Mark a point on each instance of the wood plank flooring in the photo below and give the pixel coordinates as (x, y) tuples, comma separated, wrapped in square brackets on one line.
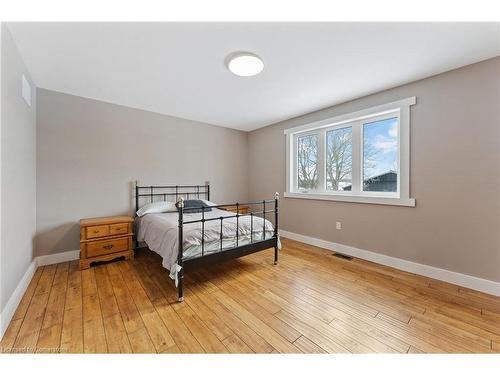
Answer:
[(311, 302)]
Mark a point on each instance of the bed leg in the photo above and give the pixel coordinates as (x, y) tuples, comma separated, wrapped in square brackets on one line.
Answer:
[(180, 289), (276, 255)]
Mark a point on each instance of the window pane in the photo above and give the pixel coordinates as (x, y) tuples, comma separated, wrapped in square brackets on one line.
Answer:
[(380, 155), (307, 162), (339, 159)]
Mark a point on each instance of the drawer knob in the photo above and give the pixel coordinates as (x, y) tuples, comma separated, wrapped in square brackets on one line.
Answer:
[(96, 231), (107, 247)]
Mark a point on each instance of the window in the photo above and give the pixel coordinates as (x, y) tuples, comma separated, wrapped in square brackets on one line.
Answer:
[(359, 157), (338, 159), (380, 155)]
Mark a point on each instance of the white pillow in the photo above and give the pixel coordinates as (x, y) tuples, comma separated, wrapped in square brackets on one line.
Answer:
[(156, 207)]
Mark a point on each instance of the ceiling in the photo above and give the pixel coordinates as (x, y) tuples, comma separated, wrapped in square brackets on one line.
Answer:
[(178, 68)]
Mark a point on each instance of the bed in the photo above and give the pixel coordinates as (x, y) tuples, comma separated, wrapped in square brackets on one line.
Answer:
[(194, 237)]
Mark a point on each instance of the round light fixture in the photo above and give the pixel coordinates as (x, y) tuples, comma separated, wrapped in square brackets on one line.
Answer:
[(245, 64)]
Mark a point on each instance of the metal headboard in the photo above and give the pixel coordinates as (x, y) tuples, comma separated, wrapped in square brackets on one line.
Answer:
[(154, 193)]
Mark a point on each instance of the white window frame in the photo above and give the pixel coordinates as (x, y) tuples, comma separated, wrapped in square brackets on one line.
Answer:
[(399, 109)]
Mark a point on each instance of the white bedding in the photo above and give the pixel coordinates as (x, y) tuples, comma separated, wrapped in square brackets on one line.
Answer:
[(160, 232)]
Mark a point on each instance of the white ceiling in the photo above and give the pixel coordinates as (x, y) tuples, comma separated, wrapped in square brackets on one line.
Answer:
[(178, 68)]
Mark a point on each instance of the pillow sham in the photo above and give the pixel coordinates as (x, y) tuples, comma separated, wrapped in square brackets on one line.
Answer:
[(193, 206), (156, 207)]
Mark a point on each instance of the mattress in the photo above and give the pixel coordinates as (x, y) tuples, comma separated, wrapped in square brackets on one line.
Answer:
[(160, 232)]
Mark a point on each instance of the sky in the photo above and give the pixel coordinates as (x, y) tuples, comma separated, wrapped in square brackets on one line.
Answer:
[(382, 136)]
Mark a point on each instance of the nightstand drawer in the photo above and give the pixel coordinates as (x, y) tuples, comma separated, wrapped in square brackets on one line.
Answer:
[(97, 231), (115, 229), (107, 247)]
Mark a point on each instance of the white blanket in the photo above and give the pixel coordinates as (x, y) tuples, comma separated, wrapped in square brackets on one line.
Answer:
[(160, 232)]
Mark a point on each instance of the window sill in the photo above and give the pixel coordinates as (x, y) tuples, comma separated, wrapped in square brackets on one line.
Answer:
[(408, 202)]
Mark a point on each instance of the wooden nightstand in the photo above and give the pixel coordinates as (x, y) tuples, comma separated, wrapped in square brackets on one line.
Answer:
[(105, 238), (243, 209)]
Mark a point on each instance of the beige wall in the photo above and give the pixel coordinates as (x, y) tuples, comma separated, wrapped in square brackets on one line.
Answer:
[(89, 152), (455, 177), (18, 175)]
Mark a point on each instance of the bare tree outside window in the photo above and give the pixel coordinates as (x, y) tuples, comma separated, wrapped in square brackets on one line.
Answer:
[(307, 162), (338, 158)]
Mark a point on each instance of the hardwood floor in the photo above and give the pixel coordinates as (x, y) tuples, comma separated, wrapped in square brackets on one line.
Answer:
[(310, 302)]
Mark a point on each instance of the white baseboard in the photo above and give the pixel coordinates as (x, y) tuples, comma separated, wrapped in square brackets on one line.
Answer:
[(14, 300), (467, 281), (66, 256)]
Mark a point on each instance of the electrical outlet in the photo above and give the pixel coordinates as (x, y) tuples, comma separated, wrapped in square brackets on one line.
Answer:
[(338, 225)]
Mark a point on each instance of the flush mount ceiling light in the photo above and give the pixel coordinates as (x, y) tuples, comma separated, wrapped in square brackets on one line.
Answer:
[(244, 64)]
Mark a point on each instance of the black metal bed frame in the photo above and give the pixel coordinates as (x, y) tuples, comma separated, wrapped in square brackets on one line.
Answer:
[(181, 192)]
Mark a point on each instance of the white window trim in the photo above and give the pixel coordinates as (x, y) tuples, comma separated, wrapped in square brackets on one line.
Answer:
[(402, 198)]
